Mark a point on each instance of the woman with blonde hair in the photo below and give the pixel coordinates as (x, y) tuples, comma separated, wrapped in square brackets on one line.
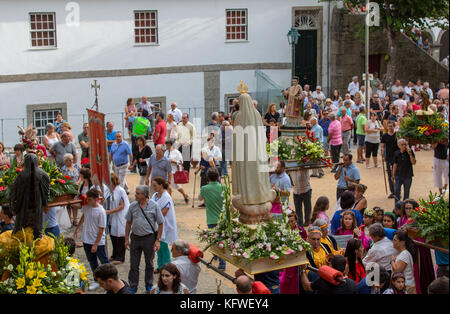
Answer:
[(360, 200), (65, 127), (50, 137), (172, 128)]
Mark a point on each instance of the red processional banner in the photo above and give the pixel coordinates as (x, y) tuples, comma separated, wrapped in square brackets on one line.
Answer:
[(98, 150)]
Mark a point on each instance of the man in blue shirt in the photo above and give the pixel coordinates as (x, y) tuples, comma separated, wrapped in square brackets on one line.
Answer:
[(316, 129), (110, 134), (345, 174), (347, 104), (324, 124), (121, 156), (281, 183)]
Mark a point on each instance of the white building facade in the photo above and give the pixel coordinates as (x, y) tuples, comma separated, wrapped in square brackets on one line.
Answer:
[(192, 52)]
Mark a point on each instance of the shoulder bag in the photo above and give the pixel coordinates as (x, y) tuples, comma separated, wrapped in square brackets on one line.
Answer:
[(148, 220), (181, 176)]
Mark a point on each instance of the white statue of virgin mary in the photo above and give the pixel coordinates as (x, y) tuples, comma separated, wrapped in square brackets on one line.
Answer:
[(250, 184)]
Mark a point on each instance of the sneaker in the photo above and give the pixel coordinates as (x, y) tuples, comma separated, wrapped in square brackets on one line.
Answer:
[(94, 286), (377, 166), (202, 205), (148, 290), (391, 195), (368, 167), (132, 291), (360, 161), (314, 176)]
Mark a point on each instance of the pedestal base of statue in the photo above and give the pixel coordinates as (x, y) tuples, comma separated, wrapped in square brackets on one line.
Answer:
[(292, 131), (253, 214), (261, 265)]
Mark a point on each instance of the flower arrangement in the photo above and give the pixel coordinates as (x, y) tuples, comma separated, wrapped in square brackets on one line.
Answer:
[(431, 219), (310, 149), (28, 276), (424, 128), (59, 183), (271, 239), (304, 149)]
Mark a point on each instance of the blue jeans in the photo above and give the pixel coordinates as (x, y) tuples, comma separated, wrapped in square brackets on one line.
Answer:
[(92, 257), (222, 263), (406, 187), (53, 230), (224, 167)]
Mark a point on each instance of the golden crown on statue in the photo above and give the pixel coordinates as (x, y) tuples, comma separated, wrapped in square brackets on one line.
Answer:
[(242, 88)]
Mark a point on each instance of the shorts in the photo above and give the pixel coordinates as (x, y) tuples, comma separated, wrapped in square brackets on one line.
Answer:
[(372, 149), (361, 140)]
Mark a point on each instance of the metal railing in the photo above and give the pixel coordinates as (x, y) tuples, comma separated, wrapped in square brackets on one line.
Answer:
[(9, 132)]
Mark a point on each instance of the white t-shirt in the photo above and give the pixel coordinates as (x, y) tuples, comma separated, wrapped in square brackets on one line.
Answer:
[(214, 153), (401, 106), (177, 114), (406, 257), (94, 218)]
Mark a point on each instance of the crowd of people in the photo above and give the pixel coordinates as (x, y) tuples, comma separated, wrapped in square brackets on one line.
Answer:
[(148, 224)]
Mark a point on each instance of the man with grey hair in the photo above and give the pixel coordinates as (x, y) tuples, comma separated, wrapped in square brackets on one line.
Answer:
[(175, 112), (317, 131), (59, 149), (121, 156), (145, 223), (353, 86), (189, 271), (214, 126), (158, 166), (318, 94), (382, 248)]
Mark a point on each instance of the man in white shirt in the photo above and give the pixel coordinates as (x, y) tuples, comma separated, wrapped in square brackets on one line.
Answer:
[(426, 86), (176, 113), (318, 94), (419, 86), (186, 135), (211, 152), (353, 87), (408, 88), (144, 104), (382, 249), (396, 89), (401, 103), (189, 271)]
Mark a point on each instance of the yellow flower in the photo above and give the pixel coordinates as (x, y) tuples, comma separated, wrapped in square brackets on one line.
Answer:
[(52, 183), (36, 282), (30, 273), (20, 282), (31, 290), (41, 274), (444, 124)]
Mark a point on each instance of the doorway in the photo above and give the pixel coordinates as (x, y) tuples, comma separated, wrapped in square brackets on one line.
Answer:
[(306, 58)]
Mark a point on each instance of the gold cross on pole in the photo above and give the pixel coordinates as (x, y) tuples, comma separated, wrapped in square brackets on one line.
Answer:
[(95, 86)]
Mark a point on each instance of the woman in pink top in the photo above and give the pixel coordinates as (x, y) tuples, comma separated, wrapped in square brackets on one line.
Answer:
[(335, 139), (129, 109), (347, 127)]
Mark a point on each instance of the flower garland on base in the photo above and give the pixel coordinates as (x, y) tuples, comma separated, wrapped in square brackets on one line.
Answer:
[(271, 239)]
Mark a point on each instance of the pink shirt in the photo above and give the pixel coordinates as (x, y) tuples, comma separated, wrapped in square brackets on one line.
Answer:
[(335, 130), (346, 123)]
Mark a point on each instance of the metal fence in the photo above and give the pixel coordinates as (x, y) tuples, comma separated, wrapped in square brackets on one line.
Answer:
[(9, 132)]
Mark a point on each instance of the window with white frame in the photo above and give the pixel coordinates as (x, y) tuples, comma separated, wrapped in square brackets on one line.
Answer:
[(43, 30), (236, 24), (41, 118), (145, 27)]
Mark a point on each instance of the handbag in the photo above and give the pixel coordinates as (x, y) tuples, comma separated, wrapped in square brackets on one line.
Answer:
[(142, 169), (181, 176)]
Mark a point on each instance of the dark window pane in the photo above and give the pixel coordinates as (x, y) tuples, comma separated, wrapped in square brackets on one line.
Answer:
[(38, 17), (39, 26), (33, 35), (147, 15), (52, 42), (32, 18), (147, 23), (39, 34), (233, 36), (153, 39), (147, 39), (45, 42), (137, 39), (44, 18), (233, 13), (33, 43)]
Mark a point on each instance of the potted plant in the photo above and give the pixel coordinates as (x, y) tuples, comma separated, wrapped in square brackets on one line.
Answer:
[(430, 220), (424, 129)]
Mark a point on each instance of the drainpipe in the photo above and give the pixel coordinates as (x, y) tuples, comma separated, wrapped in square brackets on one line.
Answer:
[(328, 50)]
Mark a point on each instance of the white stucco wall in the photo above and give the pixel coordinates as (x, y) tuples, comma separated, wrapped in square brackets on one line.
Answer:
[(185, 89), (190, 34)]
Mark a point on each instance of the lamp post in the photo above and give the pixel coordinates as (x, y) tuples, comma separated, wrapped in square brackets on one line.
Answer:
[(293, 37)]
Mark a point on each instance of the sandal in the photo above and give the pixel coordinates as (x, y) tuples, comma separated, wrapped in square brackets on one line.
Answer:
[(186, 199)]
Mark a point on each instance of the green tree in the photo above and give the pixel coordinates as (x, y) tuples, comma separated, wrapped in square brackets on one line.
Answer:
[(403, 15)]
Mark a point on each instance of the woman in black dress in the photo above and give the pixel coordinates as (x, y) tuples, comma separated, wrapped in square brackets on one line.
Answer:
[(271, 113), (142, 153)]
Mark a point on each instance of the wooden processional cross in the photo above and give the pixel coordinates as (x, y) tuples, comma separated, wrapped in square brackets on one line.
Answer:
[(95, 86)]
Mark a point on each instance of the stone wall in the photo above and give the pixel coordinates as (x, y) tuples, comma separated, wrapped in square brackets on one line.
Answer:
[(347, 54)]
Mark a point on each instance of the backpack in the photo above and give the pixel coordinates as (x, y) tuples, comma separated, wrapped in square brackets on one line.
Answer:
[(141, 126)]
